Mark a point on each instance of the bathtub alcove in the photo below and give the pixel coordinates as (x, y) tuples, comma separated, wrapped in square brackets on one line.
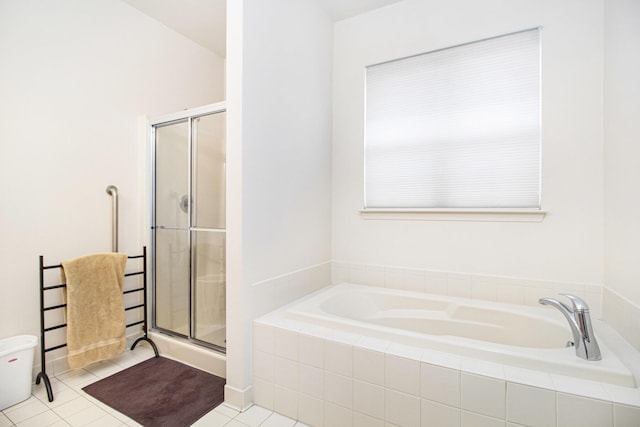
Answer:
[(361, 355)]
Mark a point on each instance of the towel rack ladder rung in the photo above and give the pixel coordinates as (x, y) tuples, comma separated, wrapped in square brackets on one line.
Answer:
[(54, 307), (135, 323), (55, 348), (53, 328)]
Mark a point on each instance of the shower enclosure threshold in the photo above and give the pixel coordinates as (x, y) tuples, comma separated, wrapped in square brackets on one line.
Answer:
[(191, 354)]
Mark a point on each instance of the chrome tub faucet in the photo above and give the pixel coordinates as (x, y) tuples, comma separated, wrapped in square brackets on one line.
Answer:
[(580, 322)]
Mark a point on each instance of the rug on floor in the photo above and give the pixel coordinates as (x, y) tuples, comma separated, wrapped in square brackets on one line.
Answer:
[(160, 392)]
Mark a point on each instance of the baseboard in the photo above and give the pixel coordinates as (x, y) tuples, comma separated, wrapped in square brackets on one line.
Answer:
[(240, 400)]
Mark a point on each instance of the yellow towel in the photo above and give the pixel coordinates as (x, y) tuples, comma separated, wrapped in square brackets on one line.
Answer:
[(95, 310)]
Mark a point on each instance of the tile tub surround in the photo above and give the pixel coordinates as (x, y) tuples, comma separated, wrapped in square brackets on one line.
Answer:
[(604, 303), (623, 315), (327, 377), (511, 290)]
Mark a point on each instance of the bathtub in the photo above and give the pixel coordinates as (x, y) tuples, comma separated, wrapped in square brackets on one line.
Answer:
[(359, 355), (521, 336)]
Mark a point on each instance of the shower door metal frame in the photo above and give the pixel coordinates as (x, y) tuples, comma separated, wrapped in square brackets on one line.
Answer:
[(185, 116)]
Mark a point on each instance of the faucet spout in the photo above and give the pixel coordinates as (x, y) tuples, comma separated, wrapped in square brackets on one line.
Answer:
[(580, 324), (567, 313)]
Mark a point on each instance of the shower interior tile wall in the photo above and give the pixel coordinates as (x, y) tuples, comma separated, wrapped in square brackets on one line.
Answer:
[(476, 286)]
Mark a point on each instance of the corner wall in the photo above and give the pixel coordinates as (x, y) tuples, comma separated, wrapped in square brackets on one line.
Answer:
[(76, 78), (567, 246), (622, 167), (279, 164)]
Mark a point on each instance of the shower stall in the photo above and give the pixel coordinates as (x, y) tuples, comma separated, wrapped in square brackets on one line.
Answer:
[(188, 225)]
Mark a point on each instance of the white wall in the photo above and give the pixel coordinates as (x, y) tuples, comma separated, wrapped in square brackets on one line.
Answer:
[(76, 78), (622, 166), (567, 245), (286, 137), (279, 161)]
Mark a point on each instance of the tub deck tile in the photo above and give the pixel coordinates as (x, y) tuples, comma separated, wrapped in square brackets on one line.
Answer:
[(446, 360), (580, 387), (529, 377), (484, 368), (624, 395)]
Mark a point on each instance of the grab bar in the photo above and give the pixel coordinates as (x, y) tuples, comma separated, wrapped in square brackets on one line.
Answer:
[(112, 190)]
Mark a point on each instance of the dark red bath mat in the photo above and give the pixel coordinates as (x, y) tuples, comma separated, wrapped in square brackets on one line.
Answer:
[(160, 392)]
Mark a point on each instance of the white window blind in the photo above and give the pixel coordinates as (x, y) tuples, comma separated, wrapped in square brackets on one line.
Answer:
[(456, 128)]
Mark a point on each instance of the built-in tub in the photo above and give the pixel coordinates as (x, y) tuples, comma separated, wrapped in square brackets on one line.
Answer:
[(360, 355), (526, 337)]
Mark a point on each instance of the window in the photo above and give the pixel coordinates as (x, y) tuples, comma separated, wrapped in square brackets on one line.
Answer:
[(457, 128)]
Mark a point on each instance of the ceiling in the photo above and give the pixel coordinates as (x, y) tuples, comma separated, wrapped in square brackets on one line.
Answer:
[(204, 21)]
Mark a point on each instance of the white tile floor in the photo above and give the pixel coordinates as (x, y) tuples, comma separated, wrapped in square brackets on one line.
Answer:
[(73, 407)]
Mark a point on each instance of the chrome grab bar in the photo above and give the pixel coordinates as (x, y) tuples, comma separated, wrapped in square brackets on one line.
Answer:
[(112, 190)]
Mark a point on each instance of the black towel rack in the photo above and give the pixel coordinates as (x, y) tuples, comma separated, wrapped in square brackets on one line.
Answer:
[(43, 309)]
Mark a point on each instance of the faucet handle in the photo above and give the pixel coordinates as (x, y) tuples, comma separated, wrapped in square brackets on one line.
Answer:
[(578, 303)]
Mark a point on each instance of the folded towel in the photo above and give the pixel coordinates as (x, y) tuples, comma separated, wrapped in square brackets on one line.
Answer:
[(95, 310)]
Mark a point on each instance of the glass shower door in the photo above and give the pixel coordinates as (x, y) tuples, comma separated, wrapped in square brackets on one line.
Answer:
[(189, 229), (171, 231), (208, 231)]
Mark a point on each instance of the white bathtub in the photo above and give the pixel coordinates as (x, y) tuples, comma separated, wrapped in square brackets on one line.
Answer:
[(360, 355), (520, 336)]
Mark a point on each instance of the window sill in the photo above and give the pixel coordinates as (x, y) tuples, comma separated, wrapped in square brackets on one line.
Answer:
[(483, 215)]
